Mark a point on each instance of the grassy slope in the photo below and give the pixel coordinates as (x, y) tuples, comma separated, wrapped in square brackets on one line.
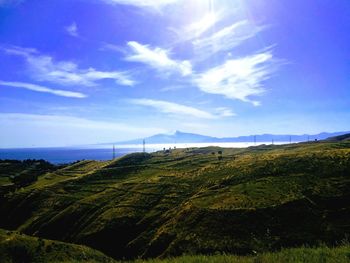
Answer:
[(15, 247), (344, 137), (301, 255), (10, 168), (260, 198)]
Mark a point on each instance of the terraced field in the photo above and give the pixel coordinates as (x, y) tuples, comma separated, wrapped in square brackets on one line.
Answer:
[(192, 201)]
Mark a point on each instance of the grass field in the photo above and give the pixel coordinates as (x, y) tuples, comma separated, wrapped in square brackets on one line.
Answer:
[(192, 201), (19, 248), (323, 254), (16, 247)]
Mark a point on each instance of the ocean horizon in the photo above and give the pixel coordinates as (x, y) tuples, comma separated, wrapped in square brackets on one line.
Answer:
[(61, 155)]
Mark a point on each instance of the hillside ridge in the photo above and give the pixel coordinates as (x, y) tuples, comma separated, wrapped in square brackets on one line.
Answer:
[(192, 201)]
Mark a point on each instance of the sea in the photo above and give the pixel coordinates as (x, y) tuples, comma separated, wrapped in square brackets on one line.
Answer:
[(62, 155)]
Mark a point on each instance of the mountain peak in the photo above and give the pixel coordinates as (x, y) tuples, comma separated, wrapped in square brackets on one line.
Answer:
[(184, 137)]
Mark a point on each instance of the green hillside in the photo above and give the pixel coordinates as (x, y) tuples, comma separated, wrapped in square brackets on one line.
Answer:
[(19, 248), (344, 137), (192, 201), (324, 254), (16, 174)]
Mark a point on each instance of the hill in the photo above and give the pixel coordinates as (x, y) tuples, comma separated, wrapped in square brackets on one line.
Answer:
[(19, 248), (325, 254), (192, 201), (183, 137), (339, 138), (16, 174)]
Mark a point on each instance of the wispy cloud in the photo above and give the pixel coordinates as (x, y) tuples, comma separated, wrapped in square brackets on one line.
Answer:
[(72, 30), (197, 28), (20, 51), (173, 88), (33, 87), (176, 109), (207, 21), (45, 68), (238, 78), (112, 47), (225, 39), (26, 130), (155, 4), (74, 121), (158, 59), (224, 112)]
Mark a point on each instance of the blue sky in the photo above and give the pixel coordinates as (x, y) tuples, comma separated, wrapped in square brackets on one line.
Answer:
[(93, 71)]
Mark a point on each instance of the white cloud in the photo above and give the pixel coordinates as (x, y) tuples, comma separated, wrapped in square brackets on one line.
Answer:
[(73, 122), (172, 88), (158, 59), (155, 4), (199, 27), (26, 130), (237, 78), (72, 30), (44, 68), (224, 112), (20, 51), (33, 87), (112, 47), (176, 109), (225, 39)]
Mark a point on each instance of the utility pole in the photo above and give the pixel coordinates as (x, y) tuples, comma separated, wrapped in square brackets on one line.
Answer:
[(290, 139), (272, 141), (254, 140), (144, 146), (113, 152)]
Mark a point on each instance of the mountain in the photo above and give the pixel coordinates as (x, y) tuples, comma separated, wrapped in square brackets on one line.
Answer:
[(183, 137), (339, 138), (177, 137)]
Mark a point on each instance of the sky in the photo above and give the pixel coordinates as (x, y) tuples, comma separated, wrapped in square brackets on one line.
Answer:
[(98, 71)]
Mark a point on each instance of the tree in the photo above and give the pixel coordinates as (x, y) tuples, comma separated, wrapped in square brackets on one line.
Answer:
[(220, 155)]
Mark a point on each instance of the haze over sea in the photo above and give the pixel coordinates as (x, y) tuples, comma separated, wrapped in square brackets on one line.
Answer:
[(59, 155)]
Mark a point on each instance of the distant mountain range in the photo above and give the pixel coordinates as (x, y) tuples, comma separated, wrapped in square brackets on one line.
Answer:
[(183, 137), (340, 138)]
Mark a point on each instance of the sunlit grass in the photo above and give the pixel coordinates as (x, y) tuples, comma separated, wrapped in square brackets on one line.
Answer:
[(190, 201), (17, 247), (321, 254)]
